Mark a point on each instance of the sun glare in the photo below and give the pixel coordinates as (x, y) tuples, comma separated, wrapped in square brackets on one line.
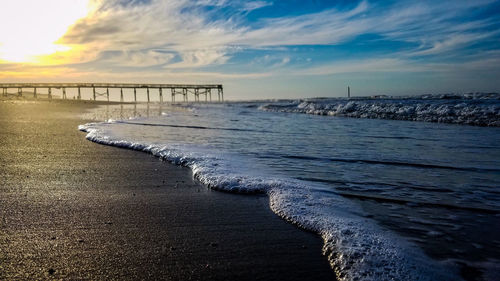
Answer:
[(30, 28)]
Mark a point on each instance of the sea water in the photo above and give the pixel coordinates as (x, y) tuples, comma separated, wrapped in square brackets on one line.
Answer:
[(392, 199)]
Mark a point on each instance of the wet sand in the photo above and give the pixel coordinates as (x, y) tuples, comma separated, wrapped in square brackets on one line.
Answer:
[(73, 209)]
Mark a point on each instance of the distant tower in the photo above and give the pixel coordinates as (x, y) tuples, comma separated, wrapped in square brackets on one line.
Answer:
[(348, 91)]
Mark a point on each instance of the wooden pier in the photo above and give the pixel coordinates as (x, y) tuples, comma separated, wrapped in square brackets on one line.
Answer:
[(102, 90)]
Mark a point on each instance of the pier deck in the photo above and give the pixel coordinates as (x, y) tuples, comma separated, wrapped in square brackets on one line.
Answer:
[(175, 89)]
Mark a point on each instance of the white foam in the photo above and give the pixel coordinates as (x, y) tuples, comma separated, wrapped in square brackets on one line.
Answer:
[(356, 247)]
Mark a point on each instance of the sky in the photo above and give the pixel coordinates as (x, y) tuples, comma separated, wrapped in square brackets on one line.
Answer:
[(258, 48)]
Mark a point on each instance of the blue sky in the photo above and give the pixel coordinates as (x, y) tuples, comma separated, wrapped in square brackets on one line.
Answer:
[(279, 49)]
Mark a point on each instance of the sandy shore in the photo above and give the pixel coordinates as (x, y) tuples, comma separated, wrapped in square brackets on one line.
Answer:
[(73, 209)]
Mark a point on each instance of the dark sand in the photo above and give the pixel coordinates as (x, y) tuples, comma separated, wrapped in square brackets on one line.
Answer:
[(73, 209)]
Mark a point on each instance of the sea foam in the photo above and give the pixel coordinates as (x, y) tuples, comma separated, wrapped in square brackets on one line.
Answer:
[(357, 248)]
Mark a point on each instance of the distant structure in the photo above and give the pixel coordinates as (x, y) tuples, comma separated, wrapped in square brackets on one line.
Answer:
[(175, 89), (348, 91)]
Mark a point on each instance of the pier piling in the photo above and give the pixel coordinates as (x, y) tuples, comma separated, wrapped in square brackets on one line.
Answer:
[(185, 94)]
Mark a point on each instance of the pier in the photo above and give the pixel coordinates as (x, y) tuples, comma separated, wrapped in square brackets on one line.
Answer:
[(101, 91)]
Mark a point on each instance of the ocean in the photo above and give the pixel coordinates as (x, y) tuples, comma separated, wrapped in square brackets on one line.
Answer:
[(399, 188)]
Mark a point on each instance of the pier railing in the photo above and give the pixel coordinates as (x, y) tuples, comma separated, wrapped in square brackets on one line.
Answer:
[(184, 90)]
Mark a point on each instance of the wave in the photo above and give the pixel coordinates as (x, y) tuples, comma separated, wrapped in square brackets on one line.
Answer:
[(348, 192), (356, 247), (421, 203), (392, 163), (365, 183), (191, 127), (473, 109)]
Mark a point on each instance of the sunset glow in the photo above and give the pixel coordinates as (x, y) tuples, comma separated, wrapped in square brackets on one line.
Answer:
[(30, 28)]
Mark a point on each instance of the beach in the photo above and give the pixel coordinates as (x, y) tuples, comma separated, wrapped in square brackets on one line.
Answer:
[(74, 209)]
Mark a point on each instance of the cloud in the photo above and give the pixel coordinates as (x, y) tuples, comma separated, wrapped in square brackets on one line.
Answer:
[(133, 58), (201, 57), (322, 28), (485, 63), (175, 26), (451, 42), (364, 66), (31, 73), (255, 5), (181, 27), (161, 25)]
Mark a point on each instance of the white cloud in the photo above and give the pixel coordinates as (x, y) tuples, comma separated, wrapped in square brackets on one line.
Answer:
[(201, 57), (176, 26), (254, 5), (131, 58), (357, 66)]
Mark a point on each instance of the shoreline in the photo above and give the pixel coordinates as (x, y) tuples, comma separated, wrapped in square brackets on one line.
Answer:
[(75, 209)]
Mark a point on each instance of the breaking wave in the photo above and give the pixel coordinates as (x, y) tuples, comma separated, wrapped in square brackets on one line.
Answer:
[(466, 109)]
